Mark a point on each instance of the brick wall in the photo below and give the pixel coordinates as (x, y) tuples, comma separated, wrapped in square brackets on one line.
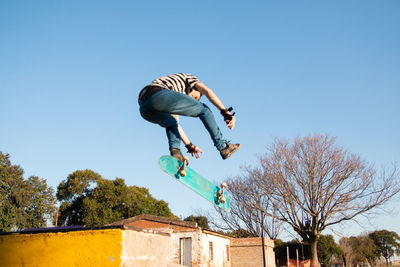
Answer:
[(247, 252)]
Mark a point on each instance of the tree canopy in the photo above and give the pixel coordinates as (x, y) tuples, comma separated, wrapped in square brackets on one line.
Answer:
[(387, 244), (91, 200), (327, 248), (358, 250), (201, 221), (24, 203), (369, 247)]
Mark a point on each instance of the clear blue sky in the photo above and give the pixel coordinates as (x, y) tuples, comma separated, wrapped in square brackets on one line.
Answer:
[(70, 72)]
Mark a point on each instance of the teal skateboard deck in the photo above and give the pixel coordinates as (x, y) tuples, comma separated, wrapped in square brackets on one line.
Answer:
[(195, 181)]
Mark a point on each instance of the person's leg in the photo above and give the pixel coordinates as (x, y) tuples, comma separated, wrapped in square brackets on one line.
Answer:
[(170, 102), (208, 120), (165, 120)]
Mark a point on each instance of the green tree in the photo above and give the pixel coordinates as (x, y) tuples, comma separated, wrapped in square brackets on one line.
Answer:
[(241, 233), (23, 203), (142, 202), (387, 243), (88, 199), (71, 194), (11, 180), (105, 204), (327, 248), (363, 249), (201, 221), (40, 203), (113, 200)]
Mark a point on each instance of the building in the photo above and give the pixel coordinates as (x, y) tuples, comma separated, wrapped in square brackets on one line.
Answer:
[(247, 252), (200, 247), (190, 245), (80, 246), (143, 240)]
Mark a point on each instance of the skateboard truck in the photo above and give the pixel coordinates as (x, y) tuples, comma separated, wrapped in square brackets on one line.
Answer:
[(220, 194), (182, 169), (216, 194)]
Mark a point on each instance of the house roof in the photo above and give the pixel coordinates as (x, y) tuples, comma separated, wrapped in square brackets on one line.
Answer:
[(66, 229), (172, 222), (153, 218)]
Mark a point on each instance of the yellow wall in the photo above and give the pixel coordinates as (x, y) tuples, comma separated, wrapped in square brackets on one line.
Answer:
[(77, 248)]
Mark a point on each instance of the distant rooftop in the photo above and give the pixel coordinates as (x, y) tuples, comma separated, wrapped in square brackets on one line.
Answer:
[(156, 219)]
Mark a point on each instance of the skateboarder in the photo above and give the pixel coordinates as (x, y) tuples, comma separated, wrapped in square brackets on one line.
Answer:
[(167, 97)]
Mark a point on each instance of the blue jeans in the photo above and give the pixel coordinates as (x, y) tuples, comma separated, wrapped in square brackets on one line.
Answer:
[(158, 107)]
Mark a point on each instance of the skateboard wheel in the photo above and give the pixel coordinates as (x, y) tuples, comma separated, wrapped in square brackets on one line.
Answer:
[(223, 185), (222, 200), (182, 173)]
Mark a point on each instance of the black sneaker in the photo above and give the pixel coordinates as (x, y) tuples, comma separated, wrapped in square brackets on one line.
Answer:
[(176, 153), (229, 150)]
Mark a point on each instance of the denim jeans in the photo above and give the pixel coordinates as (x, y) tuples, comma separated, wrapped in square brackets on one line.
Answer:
[(158, 107)]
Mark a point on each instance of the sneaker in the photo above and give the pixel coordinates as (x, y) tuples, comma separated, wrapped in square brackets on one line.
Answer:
[(176, 153), (229, 150)]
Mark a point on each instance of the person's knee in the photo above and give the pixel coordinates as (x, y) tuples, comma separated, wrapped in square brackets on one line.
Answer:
[(171, 124), (205, 109)]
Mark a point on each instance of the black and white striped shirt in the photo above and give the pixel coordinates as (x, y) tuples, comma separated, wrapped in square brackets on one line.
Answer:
[(181, 82)]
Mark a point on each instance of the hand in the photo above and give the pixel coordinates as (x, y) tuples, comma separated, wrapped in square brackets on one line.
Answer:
[(229, 117), (194, 150), (196, 153), (231, 123)]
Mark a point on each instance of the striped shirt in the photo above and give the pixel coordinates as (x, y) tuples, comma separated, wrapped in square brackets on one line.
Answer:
[(181, 82)]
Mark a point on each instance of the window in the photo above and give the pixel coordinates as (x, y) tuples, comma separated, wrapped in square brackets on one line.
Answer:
[(185, 251), (211, 251)]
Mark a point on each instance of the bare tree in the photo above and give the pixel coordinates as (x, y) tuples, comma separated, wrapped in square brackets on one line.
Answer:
[(311, 184), (348, 253), (246, 198)]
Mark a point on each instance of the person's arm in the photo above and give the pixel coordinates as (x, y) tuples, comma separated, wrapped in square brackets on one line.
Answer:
[(186, 140), (213, 98), (184, 137)]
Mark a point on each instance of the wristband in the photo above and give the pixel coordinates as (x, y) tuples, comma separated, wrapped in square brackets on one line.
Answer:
[(227, 117), (191, 148)]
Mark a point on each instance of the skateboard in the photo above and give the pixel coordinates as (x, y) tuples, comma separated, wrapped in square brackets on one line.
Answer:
[(187, 176)]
